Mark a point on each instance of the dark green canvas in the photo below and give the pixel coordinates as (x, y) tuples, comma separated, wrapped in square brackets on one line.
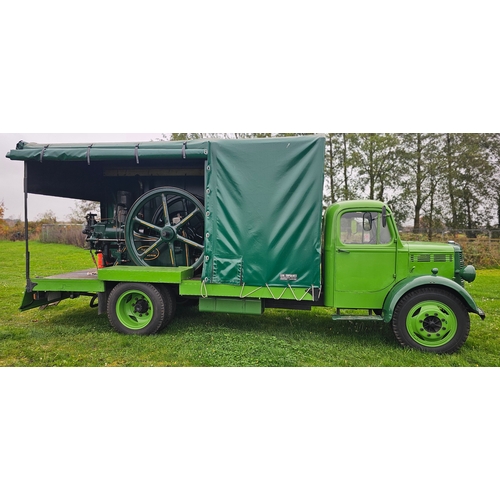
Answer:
[(263, 211), (263, 198)]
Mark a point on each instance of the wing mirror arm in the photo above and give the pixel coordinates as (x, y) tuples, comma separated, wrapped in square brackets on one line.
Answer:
[(384, 216)]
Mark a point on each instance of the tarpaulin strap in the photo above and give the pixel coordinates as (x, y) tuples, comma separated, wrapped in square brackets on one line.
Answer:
[(249, 293), (272, 295), (137, 154), (203, 290), (184, 150), (43, 151), (293, 293), (303, 296), (88, 154)]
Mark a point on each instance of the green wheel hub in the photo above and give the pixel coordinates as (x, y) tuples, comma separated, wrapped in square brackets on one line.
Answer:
[(431, 323), (134, 309)]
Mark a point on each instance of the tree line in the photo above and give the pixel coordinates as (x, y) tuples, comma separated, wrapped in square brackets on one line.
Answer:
[(433, 181)]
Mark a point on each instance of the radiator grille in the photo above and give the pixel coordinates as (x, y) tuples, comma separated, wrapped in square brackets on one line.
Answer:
[(426, 257)]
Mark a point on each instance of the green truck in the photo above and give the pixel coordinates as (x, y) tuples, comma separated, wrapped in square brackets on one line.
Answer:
[(238, 226)]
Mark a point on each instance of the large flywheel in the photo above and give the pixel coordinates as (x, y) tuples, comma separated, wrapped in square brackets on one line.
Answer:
[(165, 227)]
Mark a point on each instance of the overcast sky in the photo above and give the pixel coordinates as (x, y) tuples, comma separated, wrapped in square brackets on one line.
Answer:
[(12, 172)]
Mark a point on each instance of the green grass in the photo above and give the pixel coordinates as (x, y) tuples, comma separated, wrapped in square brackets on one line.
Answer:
[(72, 334)]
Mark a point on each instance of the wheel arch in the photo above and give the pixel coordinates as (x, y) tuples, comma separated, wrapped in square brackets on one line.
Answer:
[(438, 282)]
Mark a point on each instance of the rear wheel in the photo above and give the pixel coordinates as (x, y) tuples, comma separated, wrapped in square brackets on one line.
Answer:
[(170, 304), (136, 308), (431, 320)]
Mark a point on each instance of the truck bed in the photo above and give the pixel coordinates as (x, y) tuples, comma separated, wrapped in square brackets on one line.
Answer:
[(87, 274)]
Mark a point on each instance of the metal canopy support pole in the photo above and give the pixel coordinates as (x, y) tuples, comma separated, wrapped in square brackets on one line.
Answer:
[(29, 284)]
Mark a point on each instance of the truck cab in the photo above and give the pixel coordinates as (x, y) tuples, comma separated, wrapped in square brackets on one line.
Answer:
[(362, 246), (417, 286)]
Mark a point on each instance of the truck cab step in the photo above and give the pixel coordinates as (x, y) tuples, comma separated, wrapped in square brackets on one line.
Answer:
[(345, 317)]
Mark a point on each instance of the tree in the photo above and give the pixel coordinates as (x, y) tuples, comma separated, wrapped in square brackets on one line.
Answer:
[(341, 180), (183, 136), (48, 217), (492, 145), (3, 225), (331, 159), (468, 173), (417, 155), (374, 156), (81, 209)]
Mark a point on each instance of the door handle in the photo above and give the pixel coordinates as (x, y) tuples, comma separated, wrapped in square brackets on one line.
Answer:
[(341, 250)]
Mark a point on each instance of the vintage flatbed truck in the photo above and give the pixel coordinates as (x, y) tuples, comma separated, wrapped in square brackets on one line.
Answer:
[(238, 226)]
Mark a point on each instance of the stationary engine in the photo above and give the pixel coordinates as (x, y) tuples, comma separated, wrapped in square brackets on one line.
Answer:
[(163, 227), (107, 237)]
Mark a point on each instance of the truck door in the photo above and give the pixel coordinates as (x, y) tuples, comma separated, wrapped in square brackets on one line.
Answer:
[(365, 260)]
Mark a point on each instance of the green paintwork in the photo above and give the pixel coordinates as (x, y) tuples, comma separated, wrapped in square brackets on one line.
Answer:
[(431, 323), (424, 257), (133, 274), (376, 276), (232, 306), (411, 283), (468, 273), (51, 289), (80, 281), (358, 276), (198, 288), (68, 285), (127, 313)]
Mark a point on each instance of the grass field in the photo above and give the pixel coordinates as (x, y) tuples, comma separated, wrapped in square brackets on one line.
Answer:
[(72, 334)]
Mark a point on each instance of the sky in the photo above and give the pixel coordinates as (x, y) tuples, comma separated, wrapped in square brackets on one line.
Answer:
[(12, 172)]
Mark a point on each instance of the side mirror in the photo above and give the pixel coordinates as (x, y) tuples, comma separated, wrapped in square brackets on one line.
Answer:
[(384, 216)]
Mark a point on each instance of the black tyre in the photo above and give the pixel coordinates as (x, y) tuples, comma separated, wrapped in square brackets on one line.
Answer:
[(136, 308), (169, 303), (432, 320)]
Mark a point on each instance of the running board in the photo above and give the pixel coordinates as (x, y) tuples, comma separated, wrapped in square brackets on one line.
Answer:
[(343, 317)]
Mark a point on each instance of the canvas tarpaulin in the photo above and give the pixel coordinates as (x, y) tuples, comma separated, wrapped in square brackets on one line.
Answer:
[(263, 198), (30, 151), (263, 211)]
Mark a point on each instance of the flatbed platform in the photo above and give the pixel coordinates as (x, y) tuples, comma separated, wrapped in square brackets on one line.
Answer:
[(87, 274), (86, 281)]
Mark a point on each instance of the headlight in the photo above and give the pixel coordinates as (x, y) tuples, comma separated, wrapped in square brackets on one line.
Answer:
[(468, 273)]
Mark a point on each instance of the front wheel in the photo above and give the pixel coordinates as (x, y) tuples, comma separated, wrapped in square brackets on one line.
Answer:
[(136, 308), (431, 320)]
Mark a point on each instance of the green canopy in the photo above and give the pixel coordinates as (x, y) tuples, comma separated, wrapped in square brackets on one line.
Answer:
[(263, 197), (31, 151), (263, 211)]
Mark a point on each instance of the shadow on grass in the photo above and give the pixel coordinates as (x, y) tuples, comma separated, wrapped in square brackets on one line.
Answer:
[(78, 319), (286, 325)]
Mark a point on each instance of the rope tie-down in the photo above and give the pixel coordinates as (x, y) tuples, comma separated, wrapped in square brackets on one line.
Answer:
[(243, 295)]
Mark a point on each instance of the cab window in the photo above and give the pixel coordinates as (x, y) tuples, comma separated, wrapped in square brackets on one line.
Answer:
[(363, 228)]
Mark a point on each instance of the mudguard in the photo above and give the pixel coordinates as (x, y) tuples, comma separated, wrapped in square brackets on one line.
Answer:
[(414, 282)]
